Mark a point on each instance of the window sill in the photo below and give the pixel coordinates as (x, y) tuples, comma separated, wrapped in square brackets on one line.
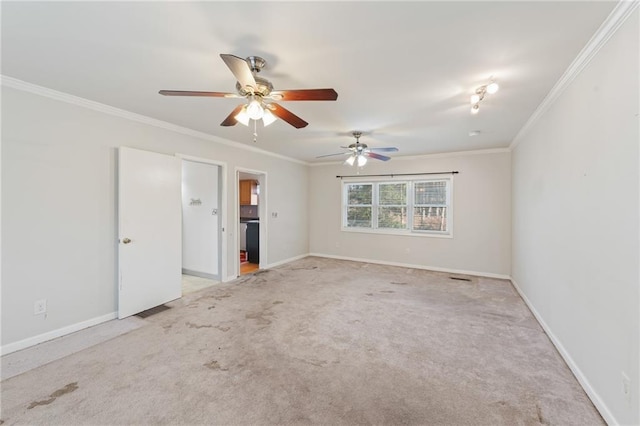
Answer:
[(402, 233)]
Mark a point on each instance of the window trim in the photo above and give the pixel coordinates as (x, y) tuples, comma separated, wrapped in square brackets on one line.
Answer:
[(408, 231)]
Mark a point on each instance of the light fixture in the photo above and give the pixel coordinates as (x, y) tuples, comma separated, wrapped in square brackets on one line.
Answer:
[(255, 111), (357, 158), (268, 117), (481, 91), (242, 117)]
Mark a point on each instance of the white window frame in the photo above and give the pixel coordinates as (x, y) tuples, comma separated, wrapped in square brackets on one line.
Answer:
[(409, 231)]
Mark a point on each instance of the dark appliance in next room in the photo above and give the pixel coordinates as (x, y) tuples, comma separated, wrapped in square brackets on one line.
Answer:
[(253, 241)]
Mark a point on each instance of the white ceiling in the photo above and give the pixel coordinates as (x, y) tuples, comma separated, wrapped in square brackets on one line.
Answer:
[(403, 71)]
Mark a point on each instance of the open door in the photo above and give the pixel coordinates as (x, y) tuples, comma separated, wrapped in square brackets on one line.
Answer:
[(149, 226)]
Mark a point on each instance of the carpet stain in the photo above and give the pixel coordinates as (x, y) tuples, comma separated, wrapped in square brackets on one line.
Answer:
[(394, 283), (211, 307), (55, 395), (214, 365), (541, 418), (277, 302), (221, 296), (192, 325), (387, 291), (223, 329), (260, 317), (369, 294), (315, 362)]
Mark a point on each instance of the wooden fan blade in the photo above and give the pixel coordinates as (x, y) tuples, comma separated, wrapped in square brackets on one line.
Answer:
[(377, 156), (240, 69), (331, 155), (231, 118), (305, 95), (288, 116), (193, 93), (387, 149)]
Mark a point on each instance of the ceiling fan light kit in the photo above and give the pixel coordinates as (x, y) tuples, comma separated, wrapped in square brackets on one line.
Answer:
[(480, 93)]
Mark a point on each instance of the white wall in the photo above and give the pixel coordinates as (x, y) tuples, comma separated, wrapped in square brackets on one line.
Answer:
[(481, 209), (575, 223), (200, 227), (59, 213)]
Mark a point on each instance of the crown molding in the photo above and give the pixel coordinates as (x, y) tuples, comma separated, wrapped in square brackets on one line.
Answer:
[(24, 86), (617, 17), (430, 156)]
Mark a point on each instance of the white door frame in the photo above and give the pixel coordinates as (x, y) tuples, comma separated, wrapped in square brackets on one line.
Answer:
[(262, 213), (222, 209)]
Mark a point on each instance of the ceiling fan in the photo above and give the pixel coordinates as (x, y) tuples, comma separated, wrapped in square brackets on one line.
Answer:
[(359, 152), (257, 91)]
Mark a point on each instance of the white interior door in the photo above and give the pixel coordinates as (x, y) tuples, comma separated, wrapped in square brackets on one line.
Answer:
[(150, 248)]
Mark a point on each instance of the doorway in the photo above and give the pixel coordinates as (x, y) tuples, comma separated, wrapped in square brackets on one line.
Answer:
[(201, 224), (251, 202)]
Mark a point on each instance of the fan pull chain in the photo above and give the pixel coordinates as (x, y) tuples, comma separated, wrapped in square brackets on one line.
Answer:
[(255, 131)]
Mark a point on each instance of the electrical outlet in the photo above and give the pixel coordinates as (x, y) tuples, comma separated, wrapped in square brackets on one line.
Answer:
[(40, 307), (274, 215), (626, 387)]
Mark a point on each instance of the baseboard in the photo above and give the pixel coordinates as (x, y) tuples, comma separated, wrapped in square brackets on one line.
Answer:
[(413, 266), (50, 335), (584, 382), (289, 260), (200, 274)]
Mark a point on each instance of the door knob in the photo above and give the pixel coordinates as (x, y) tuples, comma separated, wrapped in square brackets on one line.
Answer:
[(126, 241)]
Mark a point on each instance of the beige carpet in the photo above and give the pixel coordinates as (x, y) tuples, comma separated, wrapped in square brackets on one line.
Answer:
[(317, 341)]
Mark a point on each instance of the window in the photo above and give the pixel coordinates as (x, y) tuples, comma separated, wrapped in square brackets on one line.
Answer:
[(430, 206), (359, 203), (392, 205), (415, 207)]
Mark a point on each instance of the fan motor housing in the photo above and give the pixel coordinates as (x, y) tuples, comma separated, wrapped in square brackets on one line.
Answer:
[(264, 88)]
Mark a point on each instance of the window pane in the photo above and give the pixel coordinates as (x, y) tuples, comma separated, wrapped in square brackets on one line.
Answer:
[(392, 217), (359, 217), (430, 218), (392, 193), (431, 192), (359, 194)]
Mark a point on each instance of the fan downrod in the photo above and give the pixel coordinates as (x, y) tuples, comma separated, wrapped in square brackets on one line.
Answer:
[(256, 63)]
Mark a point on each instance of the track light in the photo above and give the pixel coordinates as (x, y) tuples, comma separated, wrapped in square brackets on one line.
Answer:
[(481, 91)]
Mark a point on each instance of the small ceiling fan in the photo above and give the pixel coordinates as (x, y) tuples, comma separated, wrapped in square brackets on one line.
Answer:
[(257, 91), (359, 152)]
